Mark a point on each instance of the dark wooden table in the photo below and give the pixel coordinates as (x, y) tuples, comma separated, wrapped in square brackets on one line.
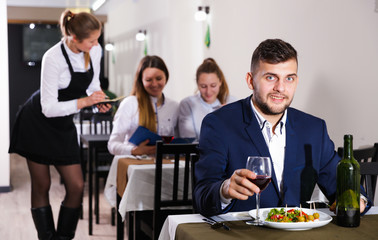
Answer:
[(93, 142), (239, 230)]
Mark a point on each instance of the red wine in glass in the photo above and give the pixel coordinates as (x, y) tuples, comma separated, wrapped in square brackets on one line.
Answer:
[(262, 167), (262, 181), (167, 139)]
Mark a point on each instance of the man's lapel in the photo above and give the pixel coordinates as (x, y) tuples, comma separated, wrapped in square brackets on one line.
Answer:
[(290, 151)]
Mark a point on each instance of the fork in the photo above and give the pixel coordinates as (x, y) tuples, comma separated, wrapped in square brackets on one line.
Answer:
[(215, 224)]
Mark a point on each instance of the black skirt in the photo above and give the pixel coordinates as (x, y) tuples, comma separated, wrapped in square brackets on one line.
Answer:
[(51, 141)]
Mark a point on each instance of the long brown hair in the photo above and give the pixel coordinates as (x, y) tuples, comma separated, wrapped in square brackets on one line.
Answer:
[(81, 25), (210, 66), (147, 117)]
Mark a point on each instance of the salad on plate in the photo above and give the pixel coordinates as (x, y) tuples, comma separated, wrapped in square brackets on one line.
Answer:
[(292, 215), (292, 219)]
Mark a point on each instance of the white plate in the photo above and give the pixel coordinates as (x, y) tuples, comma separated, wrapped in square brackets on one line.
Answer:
[(324, 219)]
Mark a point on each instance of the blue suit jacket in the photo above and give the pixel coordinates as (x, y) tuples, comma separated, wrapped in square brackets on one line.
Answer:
[(232, 133)]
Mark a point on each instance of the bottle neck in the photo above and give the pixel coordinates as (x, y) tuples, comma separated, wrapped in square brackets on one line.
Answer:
[(348, 147)]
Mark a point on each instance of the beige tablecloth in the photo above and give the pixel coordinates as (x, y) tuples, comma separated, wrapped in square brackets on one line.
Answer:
[(123, 166)]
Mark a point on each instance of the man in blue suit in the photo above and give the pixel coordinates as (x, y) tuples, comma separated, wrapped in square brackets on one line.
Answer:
[(263, 124)]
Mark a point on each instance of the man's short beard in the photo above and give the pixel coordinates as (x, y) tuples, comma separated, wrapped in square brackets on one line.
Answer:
[(265, 108)]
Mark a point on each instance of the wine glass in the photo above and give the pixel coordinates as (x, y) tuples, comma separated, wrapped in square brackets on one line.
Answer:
[(166, 133), (262, 167)]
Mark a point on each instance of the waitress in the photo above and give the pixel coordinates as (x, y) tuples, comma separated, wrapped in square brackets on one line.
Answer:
[(44, 132)]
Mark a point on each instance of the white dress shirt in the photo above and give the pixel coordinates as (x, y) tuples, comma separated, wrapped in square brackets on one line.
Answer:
[(276, 142), (192, 110), (55, 75), (126, 121)]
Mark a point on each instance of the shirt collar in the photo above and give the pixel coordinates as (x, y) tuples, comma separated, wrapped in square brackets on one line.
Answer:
[(155, 99), (262, 121), (213, 106)]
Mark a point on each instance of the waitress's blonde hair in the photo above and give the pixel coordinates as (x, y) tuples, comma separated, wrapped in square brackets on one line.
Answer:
[(147, 117), (81, 25)]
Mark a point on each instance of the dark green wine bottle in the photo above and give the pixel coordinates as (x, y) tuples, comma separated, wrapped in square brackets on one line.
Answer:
[(348, 187)]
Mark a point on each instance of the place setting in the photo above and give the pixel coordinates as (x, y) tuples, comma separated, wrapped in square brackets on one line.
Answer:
[(293, 219)]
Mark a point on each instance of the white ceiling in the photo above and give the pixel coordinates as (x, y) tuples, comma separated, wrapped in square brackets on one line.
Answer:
[(51, 3), (62, 4)]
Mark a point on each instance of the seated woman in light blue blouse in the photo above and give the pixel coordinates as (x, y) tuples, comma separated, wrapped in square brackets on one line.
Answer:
[(213, 94)]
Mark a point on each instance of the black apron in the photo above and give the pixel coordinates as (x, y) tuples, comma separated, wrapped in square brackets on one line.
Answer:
[(50, 140)]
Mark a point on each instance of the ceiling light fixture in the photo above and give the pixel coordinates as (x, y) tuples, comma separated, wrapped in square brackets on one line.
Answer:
[(202, 13), (109, 47), (141, 35)]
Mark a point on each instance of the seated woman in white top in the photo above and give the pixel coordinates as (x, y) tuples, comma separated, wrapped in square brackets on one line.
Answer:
[(147, 106), (213, 94)]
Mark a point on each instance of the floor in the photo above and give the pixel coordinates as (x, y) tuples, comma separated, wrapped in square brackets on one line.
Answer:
[(16, 222)]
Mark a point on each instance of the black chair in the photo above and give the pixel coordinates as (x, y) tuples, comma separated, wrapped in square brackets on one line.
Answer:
[(180, 202), (368, 159), (360, 154), (369, 172), (85, 120), (102, 124), (85, 117), (98, 123), (194, 157)]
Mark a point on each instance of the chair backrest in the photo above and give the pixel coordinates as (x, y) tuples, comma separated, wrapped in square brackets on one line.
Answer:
[(92, 122), (103, 123), (368, 159), (360, 154), (180, 155), (193, 159), (369, 173), (85, 117)]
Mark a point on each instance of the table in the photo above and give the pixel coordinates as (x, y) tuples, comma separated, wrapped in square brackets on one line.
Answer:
[(93, 142), (110, 190), (139, 192), (138, 195), (191, 226)]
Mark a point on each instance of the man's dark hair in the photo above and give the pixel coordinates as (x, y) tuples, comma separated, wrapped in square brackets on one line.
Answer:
[(272, 51)]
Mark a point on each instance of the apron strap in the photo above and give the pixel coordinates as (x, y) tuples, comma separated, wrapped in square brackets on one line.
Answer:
[(67, 59)]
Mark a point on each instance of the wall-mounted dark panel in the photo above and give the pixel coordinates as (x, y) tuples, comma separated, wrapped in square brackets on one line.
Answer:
[(23, 79)]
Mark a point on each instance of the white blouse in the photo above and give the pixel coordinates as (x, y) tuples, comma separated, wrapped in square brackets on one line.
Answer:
[(55, 75), (126, 121), (192, 110)]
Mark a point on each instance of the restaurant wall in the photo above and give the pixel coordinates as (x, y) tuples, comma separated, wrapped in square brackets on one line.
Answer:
[(337, 46), (4, 99), (336, 41), (171, 34)]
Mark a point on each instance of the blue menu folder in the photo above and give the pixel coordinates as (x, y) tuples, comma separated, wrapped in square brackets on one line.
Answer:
[(141, 134)]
